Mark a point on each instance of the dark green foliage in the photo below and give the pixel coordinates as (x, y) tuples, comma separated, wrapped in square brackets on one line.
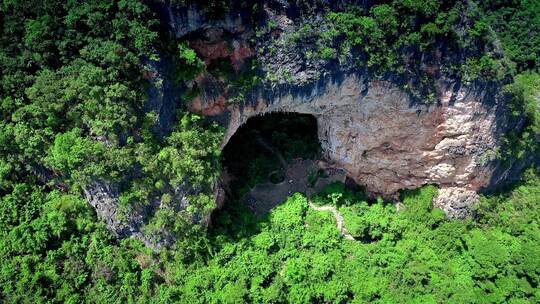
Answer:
[(414, 41), (72, 95), (72, 99), (213, 8), (524, 104), (518, 24), (70, 68), (239, 83)]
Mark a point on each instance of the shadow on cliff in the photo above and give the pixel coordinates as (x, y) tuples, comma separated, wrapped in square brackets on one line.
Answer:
[(508, 168)]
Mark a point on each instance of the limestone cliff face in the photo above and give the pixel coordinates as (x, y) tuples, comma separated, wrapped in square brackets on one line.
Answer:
[(377, 132), (380, 134), (386, 143)]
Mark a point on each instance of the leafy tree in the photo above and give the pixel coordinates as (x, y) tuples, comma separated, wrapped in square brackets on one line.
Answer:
[(72, 103), (518, 25), (524, 104)]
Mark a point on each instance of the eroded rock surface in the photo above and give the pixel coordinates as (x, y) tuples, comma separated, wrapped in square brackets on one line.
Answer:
[(130, 222), (386, 143), (104, 197), (455, 201), (381, 136)]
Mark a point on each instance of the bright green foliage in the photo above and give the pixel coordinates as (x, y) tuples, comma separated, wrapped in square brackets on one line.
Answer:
[(418, 204), (514, 213), (192, 152), (412, 255), (190, 64), (70, 152), (188, 54), (72, 103), (524, 103), (369, 222)]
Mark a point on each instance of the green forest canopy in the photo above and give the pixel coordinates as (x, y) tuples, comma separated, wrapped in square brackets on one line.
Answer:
[(72, 97)]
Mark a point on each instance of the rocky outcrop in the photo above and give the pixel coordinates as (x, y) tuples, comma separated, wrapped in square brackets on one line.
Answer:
[(456, 201), (104, 197), (379, 134), (187, 19), (385, 142), (382, 136), (130, 221), (163, 93)]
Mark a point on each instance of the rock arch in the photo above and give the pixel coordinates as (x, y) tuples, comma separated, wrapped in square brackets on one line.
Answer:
[(386, 142), (271, 156)]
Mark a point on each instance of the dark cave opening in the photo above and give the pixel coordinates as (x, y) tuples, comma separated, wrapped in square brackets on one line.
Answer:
[(266, 161), (264, 146)]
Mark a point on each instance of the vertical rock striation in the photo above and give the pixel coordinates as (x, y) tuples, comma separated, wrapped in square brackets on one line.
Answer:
[(386, 143), (378, 133)]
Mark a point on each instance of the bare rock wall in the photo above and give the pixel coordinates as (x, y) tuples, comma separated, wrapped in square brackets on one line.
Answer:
[(386, 143)]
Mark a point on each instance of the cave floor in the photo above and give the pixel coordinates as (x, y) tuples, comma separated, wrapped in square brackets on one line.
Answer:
[(301, 175)]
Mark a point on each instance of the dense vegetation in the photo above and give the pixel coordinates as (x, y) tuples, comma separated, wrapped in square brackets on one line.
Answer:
[(53, 249), (295, 255), (73, 103), (73, 92), (410, 42), (518, 25)]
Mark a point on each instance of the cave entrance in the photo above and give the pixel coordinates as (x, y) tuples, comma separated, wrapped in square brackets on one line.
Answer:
[(270, 157), (262, 148)]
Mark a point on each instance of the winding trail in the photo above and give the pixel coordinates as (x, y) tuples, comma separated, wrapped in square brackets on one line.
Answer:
[(339, 219)]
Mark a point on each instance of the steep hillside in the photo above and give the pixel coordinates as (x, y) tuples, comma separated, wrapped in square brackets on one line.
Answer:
[(146, 146)]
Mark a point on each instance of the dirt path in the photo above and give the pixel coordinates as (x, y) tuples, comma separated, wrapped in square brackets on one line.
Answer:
[(339, 219), (296, 181)]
